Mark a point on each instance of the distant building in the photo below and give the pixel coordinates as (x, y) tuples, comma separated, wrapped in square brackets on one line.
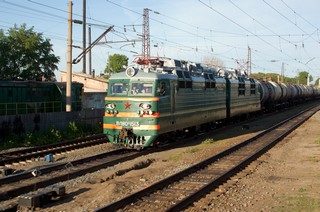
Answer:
[(95, 89), (91, 84)]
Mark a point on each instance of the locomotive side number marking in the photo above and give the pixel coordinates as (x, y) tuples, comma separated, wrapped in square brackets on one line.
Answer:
[(128, 123)]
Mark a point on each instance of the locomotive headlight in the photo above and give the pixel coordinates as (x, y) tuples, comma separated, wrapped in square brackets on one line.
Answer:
[(150, 112), (110, 106), (115, 112), (145, 106)]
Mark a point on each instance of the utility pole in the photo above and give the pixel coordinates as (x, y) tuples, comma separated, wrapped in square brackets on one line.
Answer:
[(249, 61), (282, 72), (84, 27), (69, 59), (90, 56), (146, 35)]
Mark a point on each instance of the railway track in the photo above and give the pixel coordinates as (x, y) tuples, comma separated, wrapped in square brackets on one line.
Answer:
[(10, 158), (46, 176), (65, 171), (182, 189)]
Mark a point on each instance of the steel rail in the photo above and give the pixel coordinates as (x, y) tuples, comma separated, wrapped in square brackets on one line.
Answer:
[(79, 167), (41, 151)]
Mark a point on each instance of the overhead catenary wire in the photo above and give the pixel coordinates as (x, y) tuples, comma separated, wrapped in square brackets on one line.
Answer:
[(202, 43), (254, 19), (180, 46), (299, 15), (285, 17), (244, 28)]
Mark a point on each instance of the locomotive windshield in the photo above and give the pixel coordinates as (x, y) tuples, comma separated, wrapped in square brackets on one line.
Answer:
[(119, 88), (141, 88)]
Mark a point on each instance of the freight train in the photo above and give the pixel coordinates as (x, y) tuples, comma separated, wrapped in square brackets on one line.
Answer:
[(166, 97), (21, 97)]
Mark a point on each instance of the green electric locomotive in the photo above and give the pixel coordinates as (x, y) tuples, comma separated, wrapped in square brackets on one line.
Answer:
[(169, 96)]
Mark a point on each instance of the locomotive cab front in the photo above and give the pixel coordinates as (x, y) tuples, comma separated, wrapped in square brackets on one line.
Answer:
[(131, 109)]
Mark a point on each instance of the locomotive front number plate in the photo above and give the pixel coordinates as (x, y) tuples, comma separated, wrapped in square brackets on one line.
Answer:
[(128, 123)]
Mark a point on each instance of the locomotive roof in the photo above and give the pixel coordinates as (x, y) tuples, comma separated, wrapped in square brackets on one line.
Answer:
[(144, 75)]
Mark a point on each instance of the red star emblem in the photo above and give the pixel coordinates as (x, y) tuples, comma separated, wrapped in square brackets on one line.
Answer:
[(127, 105)]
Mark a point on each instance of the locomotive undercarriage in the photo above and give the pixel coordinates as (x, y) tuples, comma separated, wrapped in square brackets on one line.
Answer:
[(127, 138)]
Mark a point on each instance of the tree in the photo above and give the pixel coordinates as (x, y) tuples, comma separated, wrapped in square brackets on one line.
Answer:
[(26, 55), (263, 76), (316, 83), (115, 63), (212, 61), (302, 77)]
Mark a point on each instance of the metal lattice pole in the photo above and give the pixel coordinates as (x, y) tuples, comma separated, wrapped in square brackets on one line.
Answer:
[(146, 34)]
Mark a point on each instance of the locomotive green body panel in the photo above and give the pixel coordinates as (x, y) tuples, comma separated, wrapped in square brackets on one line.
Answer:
[(242, 97), (177, 109), (199, 106)]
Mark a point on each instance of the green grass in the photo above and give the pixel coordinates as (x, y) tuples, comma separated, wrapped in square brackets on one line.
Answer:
[(193, 149), (208, 141), (175, 157), (300, 202), (317, 141), (315, 159), (53, 136)]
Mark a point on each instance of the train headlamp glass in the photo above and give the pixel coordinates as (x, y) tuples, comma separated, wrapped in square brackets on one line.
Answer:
[(145, 106), (110, 106), (150, 112), (131, 71)]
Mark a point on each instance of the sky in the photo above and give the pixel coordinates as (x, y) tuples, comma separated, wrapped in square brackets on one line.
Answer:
[(277, 31)]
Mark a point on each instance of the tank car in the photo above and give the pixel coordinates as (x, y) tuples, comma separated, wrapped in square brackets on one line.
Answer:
[(271, 94)]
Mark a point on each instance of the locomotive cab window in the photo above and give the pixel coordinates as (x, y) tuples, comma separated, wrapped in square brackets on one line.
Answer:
[(119, 88), (161, 88), (141, 88)]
